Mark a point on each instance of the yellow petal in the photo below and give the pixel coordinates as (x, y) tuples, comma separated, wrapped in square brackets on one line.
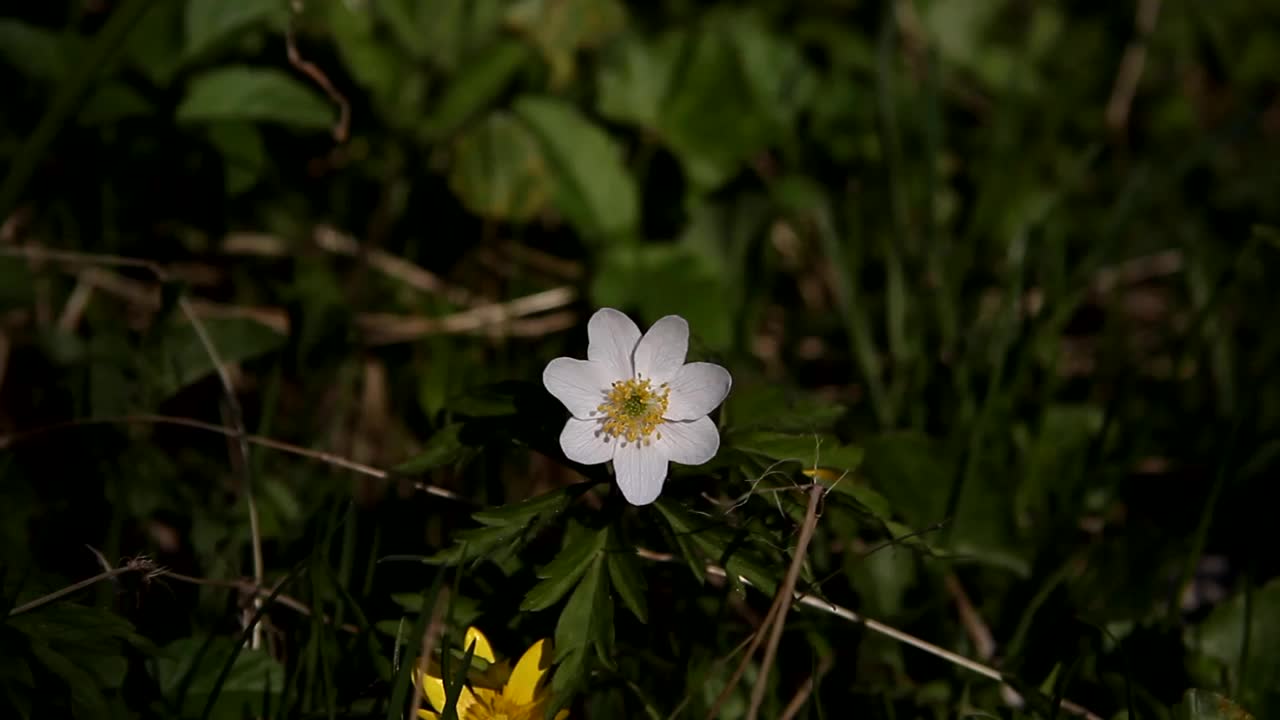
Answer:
[(428, 715), (432, 688), (483, 650), (562, 714), (523, 684), (465, 700)]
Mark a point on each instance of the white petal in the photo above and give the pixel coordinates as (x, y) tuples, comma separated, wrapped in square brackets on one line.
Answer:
[(611, 339), (689, 443), (697, 389), (583, 442), (579, 384), (662, 350), (640, 471)]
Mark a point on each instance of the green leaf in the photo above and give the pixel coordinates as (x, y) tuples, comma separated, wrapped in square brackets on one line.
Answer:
[(559, 576), (255, 676), (244, 155), (756, 404), (633, 79), (810, 450), (444, 448), (910, 470), (445, 32), (518, 513), (628, 581), (587, 620), (667, 279), (186, 360), (155, 47), (594, 189), (499, 171), (719, 545), (208, 23), (255, 95), (1220, 640), (559, 28), (112, 102), (1206, 705), (36, 52), (474, 89)]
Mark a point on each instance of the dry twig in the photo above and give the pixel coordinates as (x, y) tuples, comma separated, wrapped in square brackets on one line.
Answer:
[(784, 598)]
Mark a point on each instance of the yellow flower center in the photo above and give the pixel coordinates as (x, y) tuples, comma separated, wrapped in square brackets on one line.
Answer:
[(633, 409)]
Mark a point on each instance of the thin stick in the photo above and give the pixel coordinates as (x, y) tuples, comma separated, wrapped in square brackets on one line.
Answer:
[(878, 628), (7, 441), (979, 634), (802, 695), (342, 129), (783, 599), (1131, 66), (46, 599)]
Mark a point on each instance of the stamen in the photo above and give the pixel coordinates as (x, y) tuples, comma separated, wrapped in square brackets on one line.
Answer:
[(633, 410)]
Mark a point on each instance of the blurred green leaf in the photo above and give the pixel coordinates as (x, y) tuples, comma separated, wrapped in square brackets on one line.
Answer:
[(155, 47), (255, 678), (445, 32), (559, 28), (594, 188), (186, 360), (632, 82), (473, 90), (909, 468), (810, 450), (559, 576), (499, 171), (255, 95), (207, 23), (444, 448), (1239, 623), (1206, 705), (664, 280), (37, 52), (244, 155), (758, 405), (112, 102)]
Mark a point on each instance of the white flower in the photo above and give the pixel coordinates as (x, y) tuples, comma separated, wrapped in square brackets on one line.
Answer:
[(634, 401)]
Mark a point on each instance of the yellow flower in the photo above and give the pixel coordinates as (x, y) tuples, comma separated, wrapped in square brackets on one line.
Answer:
[(514, 694)]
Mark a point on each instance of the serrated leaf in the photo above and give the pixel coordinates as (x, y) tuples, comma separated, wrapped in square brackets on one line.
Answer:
[(587, 619), (629, 582), (255, 95), (594, 188), (718, 544), (580, 549), (810, 450), (206, 23), (548, 502), (443, 448)]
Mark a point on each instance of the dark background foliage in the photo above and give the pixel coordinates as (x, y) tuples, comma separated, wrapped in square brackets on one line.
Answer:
[(1004, 268)]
